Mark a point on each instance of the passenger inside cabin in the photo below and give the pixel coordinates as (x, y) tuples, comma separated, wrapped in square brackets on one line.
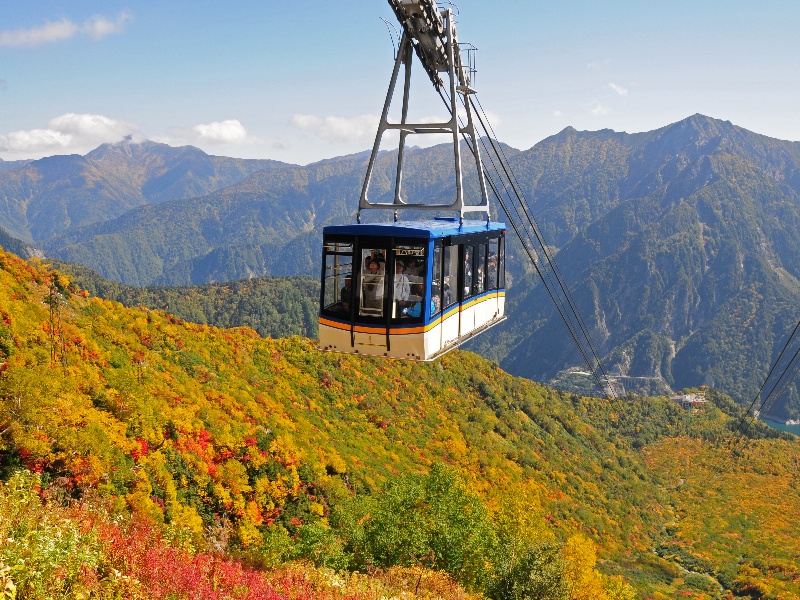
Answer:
[(401, 285), (416, 309), (435, 299), (373, 287), (492, 272), (376, 255), (346, 294), (414, 271)]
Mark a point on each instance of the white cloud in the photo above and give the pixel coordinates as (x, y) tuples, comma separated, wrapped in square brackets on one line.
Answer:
[(599, 110), (558, 113), (360, 128), (221, 132), (91, 128), (218, 133), (69, 132), (51, 32), (99, 26), (494, 118), (618, 89), (38, 36)]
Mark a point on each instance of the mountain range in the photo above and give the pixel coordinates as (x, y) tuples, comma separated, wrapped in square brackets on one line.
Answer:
[(678, 244)]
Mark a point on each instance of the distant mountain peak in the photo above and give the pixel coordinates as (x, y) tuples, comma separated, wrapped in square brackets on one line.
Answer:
[(128, 148)]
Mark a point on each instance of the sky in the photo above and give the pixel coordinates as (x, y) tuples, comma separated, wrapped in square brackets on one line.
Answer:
[(300, 81)]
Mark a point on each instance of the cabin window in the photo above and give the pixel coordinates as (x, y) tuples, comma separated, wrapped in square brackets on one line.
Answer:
[(436, 281), (491, 265), (409, 281), (372, 283), (469, 255), (501, 264), (338, 278), (450, 277), (479, 277)]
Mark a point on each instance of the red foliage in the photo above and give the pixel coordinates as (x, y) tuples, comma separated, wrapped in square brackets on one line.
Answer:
[(32, 463), (167, 572), (142, 450), (203, 438)]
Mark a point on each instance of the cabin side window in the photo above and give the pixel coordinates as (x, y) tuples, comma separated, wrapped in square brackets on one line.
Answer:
[(338, 291), (436, 281), (501, 264), (469, 256), (479, 277), (491, 265), (450, 277), (372, 284)]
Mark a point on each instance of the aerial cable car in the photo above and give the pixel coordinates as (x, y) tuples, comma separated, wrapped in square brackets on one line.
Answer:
[(416, 289)]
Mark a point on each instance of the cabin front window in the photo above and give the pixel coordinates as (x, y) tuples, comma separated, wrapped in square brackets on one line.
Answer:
[(501, 264), (372, 282), (408, 285), (469, 256), (338, 281), (479, 278)]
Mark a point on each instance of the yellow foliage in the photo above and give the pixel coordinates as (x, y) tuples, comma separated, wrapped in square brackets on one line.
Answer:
[(617, 589), (580, 557), (248, 533), (315, 508), (185, 517), (141, 505)]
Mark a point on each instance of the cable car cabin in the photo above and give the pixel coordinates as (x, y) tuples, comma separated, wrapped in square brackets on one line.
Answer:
[(412, 290)]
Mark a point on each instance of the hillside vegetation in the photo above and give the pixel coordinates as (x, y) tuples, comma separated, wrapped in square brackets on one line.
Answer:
[(271, 451), (273, 306)]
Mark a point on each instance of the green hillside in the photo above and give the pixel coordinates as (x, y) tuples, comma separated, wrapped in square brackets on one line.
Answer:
[(13, 245), (273, 306), (277, 451)]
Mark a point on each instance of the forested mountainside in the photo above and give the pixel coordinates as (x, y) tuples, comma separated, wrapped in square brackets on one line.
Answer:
[(14, 245), (273, 306), (689, 274), (271, 450), (678, 245), (43, 198)]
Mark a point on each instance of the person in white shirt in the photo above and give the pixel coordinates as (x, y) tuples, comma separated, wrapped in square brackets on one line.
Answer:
[(401, 285)]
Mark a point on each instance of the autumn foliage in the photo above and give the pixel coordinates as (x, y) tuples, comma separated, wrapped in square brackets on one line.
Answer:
[(212, 451)]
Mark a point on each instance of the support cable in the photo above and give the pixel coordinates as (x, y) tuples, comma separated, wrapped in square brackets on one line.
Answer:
[(537, 230), (739, 432), (526, 239)]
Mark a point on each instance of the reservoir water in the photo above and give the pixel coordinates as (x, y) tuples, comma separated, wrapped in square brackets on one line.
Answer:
[(795, 429)]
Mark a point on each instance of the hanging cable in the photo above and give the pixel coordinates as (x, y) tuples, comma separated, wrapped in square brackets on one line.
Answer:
[(537, 230), (783, 381), (780, 386), (573, 322)]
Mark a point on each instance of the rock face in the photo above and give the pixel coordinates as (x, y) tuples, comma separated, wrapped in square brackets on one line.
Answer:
[(682, 257)]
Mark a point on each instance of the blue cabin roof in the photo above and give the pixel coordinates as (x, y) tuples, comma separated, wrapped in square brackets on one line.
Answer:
[(432, 229)]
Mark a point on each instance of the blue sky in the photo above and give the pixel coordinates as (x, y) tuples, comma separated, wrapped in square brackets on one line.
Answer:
[(302, 81)]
